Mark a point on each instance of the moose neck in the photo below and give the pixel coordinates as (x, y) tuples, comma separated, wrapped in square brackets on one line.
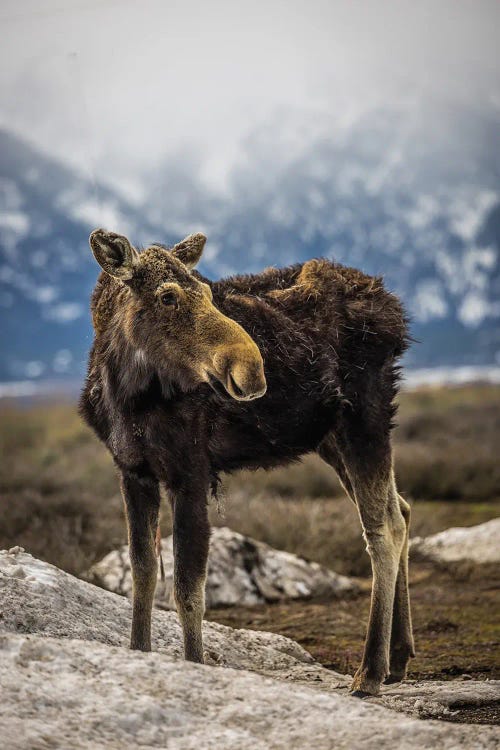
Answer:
[(130, 374)]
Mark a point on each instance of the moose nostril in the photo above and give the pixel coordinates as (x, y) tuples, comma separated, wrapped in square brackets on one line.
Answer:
[(236, 389)]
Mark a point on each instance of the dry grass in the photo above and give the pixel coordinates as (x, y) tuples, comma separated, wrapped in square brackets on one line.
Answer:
[(328, 530), (447, 443), (58, 489), (59, 492)]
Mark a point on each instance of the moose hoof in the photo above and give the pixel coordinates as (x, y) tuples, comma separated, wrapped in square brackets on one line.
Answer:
[(140, 646), (195, 656), (363, 685), (398, 664), (360, 694), (393, 678)]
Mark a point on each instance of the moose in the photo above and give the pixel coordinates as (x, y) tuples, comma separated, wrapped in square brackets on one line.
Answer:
[(188, 378)]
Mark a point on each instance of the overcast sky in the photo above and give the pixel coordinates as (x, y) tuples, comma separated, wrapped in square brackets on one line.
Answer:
[(113, 86)]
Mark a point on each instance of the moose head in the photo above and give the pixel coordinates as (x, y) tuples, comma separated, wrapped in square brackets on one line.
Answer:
[(167, 317)]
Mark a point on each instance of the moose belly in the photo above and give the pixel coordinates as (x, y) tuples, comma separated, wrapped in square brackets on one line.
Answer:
[(259, 435)]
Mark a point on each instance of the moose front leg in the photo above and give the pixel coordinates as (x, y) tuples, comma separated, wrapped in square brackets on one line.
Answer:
[(191, 543), (142, 502)]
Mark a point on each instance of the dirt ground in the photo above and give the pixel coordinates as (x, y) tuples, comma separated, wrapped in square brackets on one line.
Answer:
[(456, 624)]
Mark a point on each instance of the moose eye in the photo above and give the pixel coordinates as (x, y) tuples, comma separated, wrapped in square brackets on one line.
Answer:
[(169, 299)]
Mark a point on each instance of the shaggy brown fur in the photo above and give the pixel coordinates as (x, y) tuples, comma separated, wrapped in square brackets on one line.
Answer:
[(175, 389)]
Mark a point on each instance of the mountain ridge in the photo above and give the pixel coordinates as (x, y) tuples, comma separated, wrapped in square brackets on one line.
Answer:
[(356, 199)]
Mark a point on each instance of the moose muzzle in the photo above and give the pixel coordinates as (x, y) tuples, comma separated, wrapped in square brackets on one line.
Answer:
[(239, 368)]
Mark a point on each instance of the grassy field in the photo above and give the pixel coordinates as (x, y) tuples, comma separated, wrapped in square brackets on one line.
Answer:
[(59, 493)]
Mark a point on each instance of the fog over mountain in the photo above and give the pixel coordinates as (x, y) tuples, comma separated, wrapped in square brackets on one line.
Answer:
[(367, 133), (378, 195)]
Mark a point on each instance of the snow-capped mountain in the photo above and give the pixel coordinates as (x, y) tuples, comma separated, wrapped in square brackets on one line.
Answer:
[(424, 212)]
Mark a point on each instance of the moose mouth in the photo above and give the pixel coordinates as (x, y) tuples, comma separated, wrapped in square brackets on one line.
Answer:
[(228, 388), (217, 386)]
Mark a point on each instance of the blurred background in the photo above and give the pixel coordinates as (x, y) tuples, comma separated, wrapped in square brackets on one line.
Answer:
[(367, 132), (362, 131)]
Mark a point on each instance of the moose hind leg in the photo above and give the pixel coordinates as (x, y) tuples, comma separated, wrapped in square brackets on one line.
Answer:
[(375, 493), (402, 644), (363, 441), (329, 452), (384, 530), (142, 502), (191, 544)]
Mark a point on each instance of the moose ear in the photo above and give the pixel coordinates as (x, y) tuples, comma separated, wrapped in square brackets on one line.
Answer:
[(190, 249), (114, 253)]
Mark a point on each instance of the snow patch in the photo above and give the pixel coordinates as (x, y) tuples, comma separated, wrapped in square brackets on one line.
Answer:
[(474, 308), (429, 301), (10, 196), (16, 222), (68, 679), (451, 375), (107, 214), (468, 213), (93, 211), (65, 312), (423, 213), (18, 389), (29, 388), (62, 361)]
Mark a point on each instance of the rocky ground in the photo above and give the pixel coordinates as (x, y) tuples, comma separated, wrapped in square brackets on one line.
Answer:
[(456, 631), (455, 583), (69, 681)]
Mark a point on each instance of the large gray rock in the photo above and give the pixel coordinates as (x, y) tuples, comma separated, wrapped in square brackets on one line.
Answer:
[(241, 571), (461, 547), (68, 681)]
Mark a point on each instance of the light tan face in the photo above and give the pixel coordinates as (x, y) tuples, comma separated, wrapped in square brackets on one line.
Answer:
[(169, 318)]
